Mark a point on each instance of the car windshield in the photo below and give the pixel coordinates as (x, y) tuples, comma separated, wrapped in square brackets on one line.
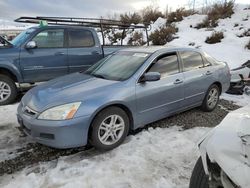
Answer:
[(19, 39), (119, 66)]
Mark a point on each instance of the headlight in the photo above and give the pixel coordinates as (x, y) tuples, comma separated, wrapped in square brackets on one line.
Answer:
[(63, 112)]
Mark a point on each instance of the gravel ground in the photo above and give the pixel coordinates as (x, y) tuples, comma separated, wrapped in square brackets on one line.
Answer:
[(34, 153)]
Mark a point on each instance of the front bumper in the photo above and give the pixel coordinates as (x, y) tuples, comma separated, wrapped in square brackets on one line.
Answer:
[(57, 134)]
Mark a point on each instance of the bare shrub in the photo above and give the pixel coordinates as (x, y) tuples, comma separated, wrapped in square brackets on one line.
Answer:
[(151, 14), (221, 11), (215, 37), (163, 35), (206, 23), (114, 37), (136, 39), (178, 15), (128, 18), (246, 33), (218, 11), (248, 45)]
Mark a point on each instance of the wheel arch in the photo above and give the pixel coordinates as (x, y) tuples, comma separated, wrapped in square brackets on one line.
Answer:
[(219, 85), (119, 105), (11, 72)]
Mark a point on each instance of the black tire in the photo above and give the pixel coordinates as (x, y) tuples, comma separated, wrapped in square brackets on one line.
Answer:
[(198, 179), (205, 104), (13, 90), (95, 126)]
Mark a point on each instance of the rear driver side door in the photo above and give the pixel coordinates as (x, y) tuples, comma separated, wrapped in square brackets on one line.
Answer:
[(197, 77), (83, 50)]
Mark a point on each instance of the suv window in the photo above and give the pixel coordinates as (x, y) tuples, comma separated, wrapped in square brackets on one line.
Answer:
[(53, 38), (80, 38), (191, 60), (166, 65)]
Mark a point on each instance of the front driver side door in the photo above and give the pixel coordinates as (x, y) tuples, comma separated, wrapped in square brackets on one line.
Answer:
[(48, 60), (157, 99)]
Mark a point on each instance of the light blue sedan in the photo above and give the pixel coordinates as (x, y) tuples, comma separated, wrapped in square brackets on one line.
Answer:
[(122, 92)]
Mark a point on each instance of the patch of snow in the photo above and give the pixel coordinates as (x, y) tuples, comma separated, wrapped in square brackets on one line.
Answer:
[(241, 100), (9, 134), (231, 49), (155, 158)]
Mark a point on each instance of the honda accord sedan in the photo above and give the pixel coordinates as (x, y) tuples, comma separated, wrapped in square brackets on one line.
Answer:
[(122, 92)]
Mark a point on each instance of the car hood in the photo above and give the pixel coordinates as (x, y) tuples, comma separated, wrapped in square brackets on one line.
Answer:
[(66, 89)]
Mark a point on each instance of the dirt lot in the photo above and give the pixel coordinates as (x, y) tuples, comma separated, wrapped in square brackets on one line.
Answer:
[(34, 153)]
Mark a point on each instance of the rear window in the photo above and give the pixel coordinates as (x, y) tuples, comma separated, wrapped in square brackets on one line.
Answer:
[(191, 60), (81, 38)]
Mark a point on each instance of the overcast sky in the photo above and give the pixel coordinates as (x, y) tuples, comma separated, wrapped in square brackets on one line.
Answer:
[(10, 9)]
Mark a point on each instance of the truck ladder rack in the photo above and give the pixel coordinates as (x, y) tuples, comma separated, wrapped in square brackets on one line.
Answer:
[(86, 22)]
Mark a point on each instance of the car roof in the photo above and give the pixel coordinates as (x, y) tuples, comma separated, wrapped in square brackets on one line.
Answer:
[(154, 49)]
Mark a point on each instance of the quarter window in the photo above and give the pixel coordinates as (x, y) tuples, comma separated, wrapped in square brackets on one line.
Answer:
[(191, 60), (166, 65), (80, 38), (50, 39)]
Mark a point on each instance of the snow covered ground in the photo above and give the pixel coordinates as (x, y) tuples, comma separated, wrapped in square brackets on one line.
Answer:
[(162, 157)]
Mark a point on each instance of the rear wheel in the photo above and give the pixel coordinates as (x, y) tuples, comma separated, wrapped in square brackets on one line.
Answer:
[(211, 99), (8, 90), (109, 128), (199, 179)]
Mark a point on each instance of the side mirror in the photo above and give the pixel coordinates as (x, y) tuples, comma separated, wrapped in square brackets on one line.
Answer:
[(31, 45), (150, 77)]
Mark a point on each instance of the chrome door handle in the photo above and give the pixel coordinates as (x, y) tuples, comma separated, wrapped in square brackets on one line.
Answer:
[(178, 81)]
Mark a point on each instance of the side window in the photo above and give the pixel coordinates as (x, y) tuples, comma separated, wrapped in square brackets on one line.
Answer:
[(191, 60), (166, 65), (53, 38), (80, 38)]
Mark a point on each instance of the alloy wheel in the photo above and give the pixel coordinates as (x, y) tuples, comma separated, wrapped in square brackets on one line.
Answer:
[(5, 91), (213, 98), (111, 129)]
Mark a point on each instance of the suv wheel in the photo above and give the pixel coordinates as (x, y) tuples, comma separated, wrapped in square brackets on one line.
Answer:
[(109, 128), (211, 99), (8, 90)]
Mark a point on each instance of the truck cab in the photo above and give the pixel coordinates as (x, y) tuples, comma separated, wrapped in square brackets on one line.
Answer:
[(42, 53)]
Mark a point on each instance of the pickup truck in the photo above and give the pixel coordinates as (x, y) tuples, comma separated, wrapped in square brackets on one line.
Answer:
[(42, 53)]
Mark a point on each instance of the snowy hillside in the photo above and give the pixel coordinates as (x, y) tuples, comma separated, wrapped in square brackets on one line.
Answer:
[(231, 49)]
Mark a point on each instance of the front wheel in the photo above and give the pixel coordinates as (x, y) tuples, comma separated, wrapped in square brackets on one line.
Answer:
[(211, 99), (109, 128), (199, 179), (8, 90)]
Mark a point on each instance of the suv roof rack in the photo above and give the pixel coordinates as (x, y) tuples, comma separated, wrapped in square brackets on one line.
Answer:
[(86, 22)]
